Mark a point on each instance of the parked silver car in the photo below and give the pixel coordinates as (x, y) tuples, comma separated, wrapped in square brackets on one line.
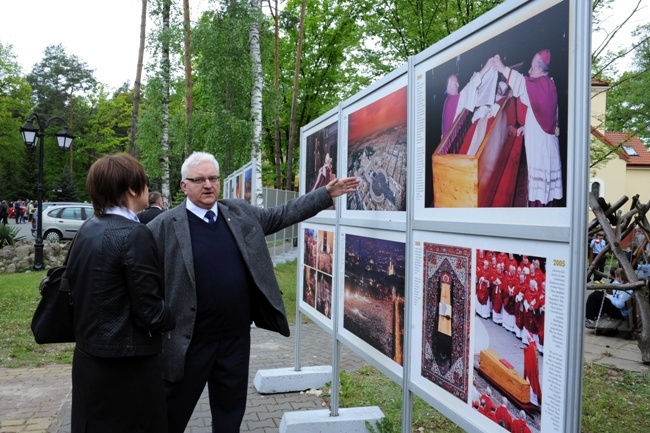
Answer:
[(63, 221)]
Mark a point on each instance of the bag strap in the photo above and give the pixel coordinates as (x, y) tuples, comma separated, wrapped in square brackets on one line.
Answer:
[(65, 286), (65, 261)]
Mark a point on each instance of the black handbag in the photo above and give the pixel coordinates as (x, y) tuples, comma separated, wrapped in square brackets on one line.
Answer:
[(53, 319)]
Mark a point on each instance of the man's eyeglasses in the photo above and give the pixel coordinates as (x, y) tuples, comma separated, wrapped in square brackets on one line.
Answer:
[(201, 180)]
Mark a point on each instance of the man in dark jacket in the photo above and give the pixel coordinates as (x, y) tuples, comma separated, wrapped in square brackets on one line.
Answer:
[(155, 208), (218, 279)]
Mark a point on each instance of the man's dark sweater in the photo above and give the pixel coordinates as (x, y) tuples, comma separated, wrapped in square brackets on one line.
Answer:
[(222, 309)]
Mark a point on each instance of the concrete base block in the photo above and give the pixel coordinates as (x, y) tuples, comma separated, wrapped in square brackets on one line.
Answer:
[(350, 420), (289, 380)]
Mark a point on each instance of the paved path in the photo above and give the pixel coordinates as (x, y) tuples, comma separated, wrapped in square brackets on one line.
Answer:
[(37, 400)]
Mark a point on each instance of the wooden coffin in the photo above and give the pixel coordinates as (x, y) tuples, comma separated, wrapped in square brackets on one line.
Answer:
[(471, 179), (504, 376)]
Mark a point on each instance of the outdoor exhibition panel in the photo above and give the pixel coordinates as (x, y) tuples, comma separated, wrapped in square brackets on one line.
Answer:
[(478, 332), (241, 183), (457, 267)]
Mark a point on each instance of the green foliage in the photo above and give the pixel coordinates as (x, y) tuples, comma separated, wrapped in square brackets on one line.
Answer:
[(65, 189), (222, 88), (599, 154), (403, 28), (56, 79), (8, 235), (627, 101), (149, 136), (14, 108)]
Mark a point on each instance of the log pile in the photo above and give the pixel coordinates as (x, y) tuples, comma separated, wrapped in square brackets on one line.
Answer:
[(616, 225)]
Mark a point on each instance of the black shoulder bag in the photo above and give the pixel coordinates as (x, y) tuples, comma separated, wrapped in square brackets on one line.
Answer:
[(53, 319)]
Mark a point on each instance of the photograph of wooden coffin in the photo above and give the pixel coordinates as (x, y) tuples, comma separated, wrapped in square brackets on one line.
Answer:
[(477, 162), (473, 157), (499, 373), (504, 377)]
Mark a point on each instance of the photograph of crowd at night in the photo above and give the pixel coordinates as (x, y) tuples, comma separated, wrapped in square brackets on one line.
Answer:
[(373, 300)]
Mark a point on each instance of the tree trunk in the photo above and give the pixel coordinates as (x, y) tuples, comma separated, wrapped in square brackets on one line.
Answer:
[(256, 100), (165, 78), (187, 57), (614, 234), (294, 100), (138, 77), (276, 85)]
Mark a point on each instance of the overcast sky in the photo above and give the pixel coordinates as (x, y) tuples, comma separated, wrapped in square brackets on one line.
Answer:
[(105, 33)]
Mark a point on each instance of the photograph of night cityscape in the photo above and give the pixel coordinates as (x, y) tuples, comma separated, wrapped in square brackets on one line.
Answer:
[(377, 154), (446, 317), (373, 302)]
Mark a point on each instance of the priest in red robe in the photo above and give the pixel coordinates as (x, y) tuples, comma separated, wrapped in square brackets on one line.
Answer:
[(531, 372)]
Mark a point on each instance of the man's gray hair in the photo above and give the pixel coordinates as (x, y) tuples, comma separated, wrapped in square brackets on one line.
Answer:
[(197, 158)]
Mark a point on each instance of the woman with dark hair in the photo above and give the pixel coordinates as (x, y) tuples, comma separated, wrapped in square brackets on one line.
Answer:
[(119, 310)]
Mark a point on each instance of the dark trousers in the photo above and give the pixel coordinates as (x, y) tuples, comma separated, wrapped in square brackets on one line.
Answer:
[(595, 300), (223, 366), (112, 395), (601, 267)]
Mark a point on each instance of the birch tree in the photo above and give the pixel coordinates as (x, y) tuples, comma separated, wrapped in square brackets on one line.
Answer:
[(165, 76), (187, 58), (256, 99)]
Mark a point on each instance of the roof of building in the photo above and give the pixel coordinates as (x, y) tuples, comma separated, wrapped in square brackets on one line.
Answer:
[(633, 151), (599, 82)]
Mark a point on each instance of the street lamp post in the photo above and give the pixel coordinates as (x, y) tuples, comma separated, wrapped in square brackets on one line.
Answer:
[(32, 136)]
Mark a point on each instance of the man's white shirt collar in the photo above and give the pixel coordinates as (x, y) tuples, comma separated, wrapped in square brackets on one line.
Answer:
[(199, 211)]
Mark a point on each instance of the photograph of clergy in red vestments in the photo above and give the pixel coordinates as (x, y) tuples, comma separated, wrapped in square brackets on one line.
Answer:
[(499, 110), (509, 336)]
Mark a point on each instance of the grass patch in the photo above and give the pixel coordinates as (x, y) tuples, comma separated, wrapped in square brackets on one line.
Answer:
[(369, 387), (18, 299), (615, 400), (286, 276)]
